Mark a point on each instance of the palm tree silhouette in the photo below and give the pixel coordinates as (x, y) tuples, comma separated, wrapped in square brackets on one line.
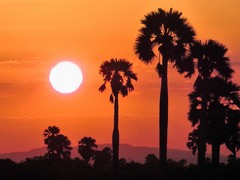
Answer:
[(168, 34), (222, 96), (58, 145), (208, 58), (86, 148), (118, 72)]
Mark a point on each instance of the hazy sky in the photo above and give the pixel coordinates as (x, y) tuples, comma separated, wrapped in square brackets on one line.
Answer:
[(36, 34)]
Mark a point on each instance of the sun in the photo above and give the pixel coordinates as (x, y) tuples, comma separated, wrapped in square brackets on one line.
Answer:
[(66, 77)]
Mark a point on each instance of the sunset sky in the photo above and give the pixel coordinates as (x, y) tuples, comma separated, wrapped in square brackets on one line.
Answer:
[(36, 34)]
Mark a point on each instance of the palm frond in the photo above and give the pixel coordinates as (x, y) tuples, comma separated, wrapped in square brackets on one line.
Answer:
[(144, 48), (179, 25), (185, 66), (193, 141), (129, 85), (154, 20), (195, 111), (111, 99), (159, 69), (102, 87), (130, 75), (124, 91), (224, 68)]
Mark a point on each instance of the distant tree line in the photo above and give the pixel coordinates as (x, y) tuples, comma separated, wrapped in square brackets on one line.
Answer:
[(59, 148), (96, 164)]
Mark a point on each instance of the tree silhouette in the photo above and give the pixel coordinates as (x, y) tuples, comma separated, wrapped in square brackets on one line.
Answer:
[(222, 96), (193, 140), (168, 34), (209, 60), (151, 159), (233, 141), (87, 148), (118, 72), (103, 158), (58, 145)]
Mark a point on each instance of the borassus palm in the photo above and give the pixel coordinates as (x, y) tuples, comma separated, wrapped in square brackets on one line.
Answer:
[(165, 36), (117, 72)]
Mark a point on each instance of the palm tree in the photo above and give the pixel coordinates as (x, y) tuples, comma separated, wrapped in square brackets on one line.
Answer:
[(118, 72), (168, 34), (208, 58), (219, 122), (58, 145), (87, 147)]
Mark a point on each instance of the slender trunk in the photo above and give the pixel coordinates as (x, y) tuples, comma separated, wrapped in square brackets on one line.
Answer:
[(203, 128), (215, 154), (115, 139), (234, 155), (163, 120)]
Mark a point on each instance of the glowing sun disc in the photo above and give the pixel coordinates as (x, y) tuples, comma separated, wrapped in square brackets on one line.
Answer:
[(66, 77)]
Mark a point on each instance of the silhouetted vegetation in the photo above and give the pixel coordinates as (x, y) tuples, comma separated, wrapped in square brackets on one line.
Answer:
[(210, 61), (169, 34), (58, 145), (118, 72), (222, 120), (233, 141), (43, 168), (49, 167), (214, 114), (103, 159), (87, 148)]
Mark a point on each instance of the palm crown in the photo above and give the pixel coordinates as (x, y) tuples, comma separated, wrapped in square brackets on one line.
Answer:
[(168, 32), (119, 74), (208, 58), (58, 144)]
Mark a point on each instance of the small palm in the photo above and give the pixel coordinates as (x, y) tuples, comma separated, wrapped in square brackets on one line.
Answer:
[(87, 148), (58, 145)]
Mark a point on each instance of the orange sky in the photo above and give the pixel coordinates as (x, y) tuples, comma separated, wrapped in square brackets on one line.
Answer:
[(36, 34)]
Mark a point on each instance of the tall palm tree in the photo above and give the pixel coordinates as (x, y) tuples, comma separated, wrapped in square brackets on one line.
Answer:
[(164, 34), (209, 60), (118, 72)]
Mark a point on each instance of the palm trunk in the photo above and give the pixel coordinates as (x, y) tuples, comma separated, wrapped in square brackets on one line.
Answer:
[(234, 155), (203, 128), (163, 120), (115, 140), (215, 154)]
